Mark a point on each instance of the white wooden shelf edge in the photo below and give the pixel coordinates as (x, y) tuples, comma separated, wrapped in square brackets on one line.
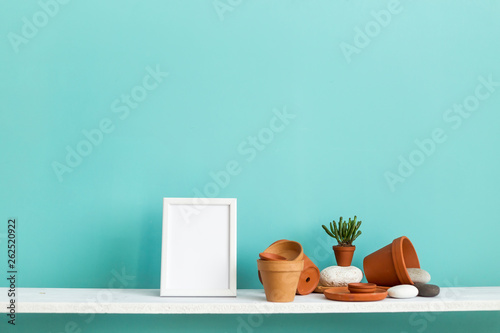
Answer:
[(148, 301)]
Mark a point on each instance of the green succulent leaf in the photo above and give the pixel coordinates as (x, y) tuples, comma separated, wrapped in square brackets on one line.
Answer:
[(336, 231), (328, 231), (350, 233), (346, 231), (359, 233)]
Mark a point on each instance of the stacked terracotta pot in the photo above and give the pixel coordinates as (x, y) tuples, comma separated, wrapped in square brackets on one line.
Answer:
[(284, 270)]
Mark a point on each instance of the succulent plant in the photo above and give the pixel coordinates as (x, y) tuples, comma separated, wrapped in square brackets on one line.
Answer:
[(346, 232)]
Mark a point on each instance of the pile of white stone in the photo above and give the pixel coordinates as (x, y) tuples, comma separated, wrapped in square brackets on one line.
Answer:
[(339, 276), (421, 287)]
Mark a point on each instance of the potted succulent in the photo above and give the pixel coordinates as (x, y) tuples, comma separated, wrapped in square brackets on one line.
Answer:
[(345, 233)]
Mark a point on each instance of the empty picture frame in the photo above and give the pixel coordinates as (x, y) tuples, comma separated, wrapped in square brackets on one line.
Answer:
[(198, 247)]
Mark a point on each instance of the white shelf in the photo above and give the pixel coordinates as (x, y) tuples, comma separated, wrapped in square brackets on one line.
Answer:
[(144, 301)]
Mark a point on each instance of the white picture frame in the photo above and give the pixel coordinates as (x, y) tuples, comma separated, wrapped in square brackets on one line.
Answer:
[(198, 247)]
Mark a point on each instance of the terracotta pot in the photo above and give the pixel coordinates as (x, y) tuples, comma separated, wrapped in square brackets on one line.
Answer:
[(309, 278), (289, 249), (280, 279), (344, 254), (387, 266)]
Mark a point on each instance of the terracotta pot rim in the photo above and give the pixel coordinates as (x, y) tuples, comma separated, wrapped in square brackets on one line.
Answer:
[(344, 246), (280, 266), (399, 261)]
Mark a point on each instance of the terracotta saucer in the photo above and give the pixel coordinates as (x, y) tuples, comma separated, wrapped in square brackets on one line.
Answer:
[(343, 294), (270, 256), (362, 287), (321, 289), (383, 287)]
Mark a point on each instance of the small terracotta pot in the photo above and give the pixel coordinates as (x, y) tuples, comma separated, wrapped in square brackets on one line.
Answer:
[(280, 279), (387, 266), (344, 254), (289, 249)]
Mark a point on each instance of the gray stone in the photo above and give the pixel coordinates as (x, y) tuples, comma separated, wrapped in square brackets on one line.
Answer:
[(427, 290)]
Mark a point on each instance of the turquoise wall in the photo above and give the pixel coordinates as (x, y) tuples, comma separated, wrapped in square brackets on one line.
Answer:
[(384, 109)]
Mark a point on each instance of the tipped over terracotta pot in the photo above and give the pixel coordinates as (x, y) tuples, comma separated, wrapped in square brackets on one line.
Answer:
[(387, 266), (309, 277), (288, 249), (280, 279)]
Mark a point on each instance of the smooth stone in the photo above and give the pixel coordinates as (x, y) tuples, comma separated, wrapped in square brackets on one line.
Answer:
[(403, 291), (418, 275), (427, 290), (339, 276)]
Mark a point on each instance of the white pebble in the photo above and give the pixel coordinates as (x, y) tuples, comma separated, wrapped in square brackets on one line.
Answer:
[(418, 275), (339, 276), (403, 291)]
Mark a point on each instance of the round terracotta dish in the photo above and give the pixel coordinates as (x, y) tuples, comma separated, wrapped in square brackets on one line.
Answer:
[(270, 256), (343, 294), (362, 287)]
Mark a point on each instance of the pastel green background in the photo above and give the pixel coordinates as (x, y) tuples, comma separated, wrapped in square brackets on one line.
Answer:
[(226, 76)]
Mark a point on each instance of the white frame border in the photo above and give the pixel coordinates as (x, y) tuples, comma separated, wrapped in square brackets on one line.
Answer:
[(231, 291)]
